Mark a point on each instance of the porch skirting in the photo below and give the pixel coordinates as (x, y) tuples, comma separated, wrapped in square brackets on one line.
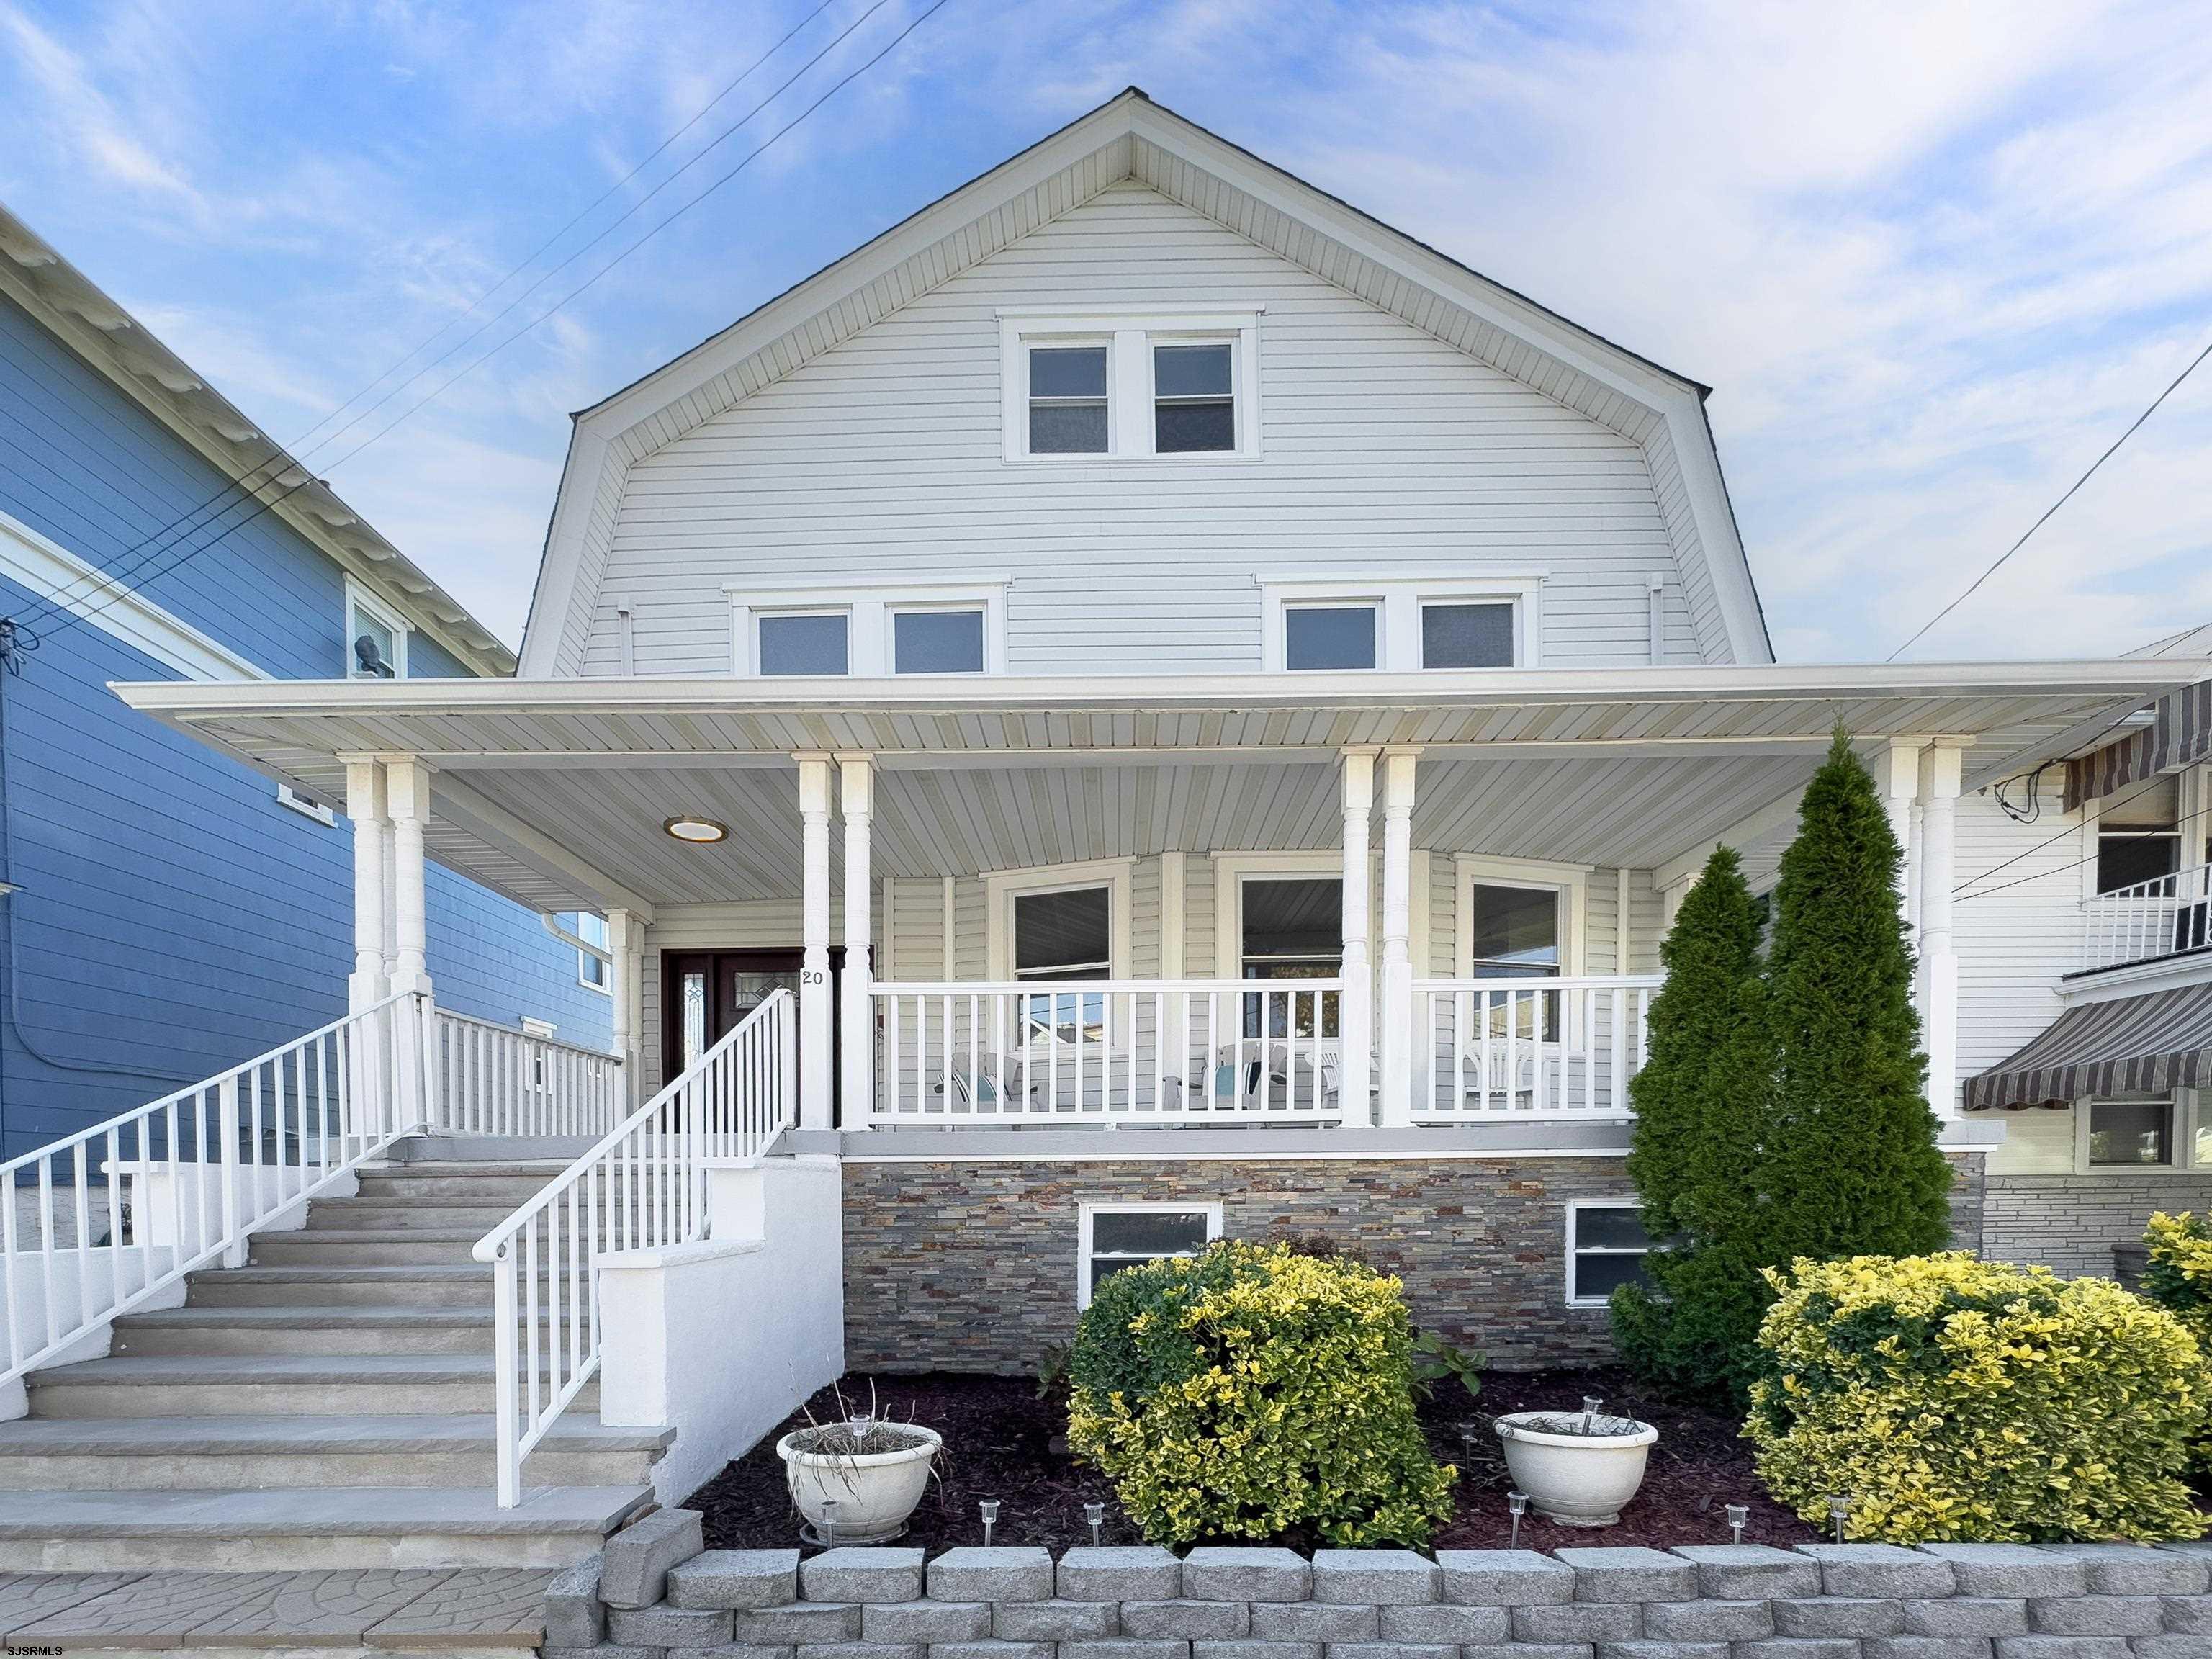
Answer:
[(971, 1266)]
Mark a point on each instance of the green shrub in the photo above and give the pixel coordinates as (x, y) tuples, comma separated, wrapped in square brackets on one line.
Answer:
[(1248, 1392), (1950, 1398), (2179, 1277)]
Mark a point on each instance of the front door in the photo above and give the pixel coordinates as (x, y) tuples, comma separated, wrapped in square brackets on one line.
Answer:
[(706, 994)]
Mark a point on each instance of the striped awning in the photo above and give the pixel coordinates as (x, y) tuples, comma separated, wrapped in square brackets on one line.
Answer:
[(2179, 734), (2148, 1043)]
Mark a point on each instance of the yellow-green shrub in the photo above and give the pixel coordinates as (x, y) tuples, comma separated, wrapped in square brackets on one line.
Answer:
[(1951, 1398), (2179, 1277), (1248, 1392)]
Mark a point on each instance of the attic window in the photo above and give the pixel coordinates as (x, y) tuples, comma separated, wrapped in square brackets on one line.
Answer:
[(1168, 387)]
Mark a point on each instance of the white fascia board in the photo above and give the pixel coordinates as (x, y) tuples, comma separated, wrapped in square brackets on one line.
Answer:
[(51, 572), (1471, 687)]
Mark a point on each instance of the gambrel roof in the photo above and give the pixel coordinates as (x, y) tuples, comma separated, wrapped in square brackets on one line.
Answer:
[(1131, 138)]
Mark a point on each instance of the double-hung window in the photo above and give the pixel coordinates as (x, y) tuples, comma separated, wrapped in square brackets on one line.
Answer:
[(592, 969), (1606, 1247), (1061, 935), (1130, 387), (1293, 929), (2139, 835), (376, 637), (1405, 624)]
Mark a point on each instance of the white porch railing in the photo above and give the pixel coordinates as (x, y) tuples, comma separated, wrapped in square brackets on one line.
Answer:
[(643, 1186), (1107, 1051), (196, 1172), (2162, 917), (1514, 1049), (495, 1080)]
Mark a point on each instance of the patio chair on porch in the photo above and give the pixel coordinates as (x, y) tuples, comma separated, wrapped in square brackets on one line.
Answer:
[(985, 1084), (1255, 1077), (1504, 1084)]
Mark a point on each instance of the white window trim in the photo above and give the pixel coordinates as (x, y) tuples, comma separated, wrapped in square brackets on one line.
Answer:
[(605, 985), (1570, 881), (306, 805), (1128, 338), (360, 602), (868, 621), (1575, 1207), (1002, 887), (1398, 601), (1210, 1208), (2187, 1103)]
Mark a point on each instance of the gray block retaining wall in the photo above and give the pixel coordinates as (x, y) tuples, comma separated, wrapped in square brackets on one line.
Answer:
[(655, 1593)]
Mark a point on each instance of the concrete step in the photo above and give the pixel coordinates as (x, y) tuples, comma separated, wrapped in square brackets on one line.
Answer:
[(272, 1385), (356, 1526), (312, 1246), (168, 1453), (426, 1284), (295, 1330)]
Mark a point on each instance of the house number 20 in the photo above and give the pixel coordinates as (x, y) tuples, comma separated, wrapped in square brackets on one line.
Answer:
[(813, 976)]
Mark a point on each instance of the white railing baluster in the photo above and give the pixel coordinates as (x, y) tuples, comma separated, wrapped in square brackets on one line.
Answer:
[(1532, 1047), (2166, 915), (643, 1186)]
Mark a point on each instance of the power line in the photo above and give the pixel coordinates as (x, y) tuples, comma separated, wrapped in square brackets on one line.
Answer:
[(288, 456), (2054, 507), (542, 316), (1960, 896)]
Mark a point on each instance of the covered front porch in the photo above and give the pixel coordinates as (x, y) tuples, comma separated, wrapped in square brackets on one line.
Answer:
[(1383, 905)]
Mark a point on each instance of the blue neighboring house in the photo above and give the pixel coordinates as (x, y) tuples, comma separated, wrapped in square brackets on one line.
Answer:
[(166, 912)]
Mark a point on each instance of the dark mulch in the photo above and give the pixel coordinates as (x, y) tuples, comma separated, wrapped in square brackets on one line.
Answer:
[(999, 1443)]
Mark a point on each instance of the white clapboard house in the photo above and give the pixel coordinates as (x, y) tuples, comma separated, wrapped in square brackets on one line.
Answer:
[(1140, 704)]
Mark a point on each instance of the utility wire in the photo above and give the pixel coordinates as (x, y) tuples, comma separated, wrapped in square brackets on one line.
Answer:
[(1963, 897), (2054, 507), (269, 503), (288, 456)]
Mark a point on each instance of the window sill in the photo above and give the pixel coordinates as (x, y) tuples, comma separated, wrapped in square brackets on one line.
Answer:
[(1185, 457)]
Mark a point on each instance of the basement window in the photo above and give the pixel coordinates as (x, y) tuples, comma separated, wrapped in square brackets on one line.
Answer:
[(1115, 1237), (1606, 1247)]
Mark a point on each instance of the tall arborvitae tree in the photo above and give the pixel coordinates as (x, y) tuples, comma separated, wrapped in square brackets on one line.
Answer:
[(1701, 1101), (1853, 1168)]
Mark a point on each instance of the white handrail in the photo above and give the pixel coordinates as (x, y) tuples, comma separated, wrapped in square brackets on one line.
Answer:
[(642, 1187), (206, 1166), (1148, 1051), (2166, 915), (496, 1081), (1530, 1046)]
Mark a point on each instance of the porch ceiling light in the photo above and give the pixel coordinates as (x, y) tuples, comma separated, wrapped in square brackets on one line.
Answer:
[(701, 832)]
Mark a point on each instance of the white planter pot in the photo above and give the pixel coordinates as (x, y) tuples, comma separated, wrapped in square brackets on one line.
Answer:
[(874, 1492), (1576, 1479)]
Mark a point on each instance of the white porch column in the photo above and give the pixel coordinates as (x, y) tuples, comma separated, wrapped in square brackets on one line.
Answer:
[(365, 806), (626, 979), (857, 1052), (1397, 1016), (407, 795), (815, 1023), (1355, 1019), (1940, 767), (1900, 788)]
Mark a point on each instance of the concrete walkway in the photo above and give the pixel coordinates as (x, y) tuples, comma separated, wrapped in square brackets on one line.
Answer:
[(493, 1611)]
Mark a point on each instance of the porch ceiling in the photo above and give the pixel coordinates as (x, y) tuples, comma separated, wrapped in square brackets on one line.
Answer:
[(554, 791)]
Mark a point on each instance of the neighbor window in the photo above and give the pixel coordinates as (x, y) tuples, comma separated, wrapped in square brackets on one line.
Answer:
[(2131, 1130), (1113, 1237), (2139, 834), (376, 638), (1457, 636), (937, 641), (1067, 400), (1193, 399), (590, 970), (1329, 636), (805, 642), (1064, 935), (1606, 1247)]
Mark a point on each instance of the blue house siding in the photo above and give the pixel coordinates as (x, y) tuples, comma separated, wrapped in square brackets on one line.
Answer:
[(173, 917)]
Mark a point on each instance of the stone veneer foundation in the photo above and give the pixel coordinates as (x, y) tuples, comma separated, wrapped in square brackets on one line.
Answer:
[(970, 1266), (2071, 1223), (655, 1592)]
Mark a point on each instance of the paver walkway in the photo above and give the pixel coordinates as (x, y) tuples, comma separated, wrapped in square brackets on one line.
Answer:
[(490, 1610)]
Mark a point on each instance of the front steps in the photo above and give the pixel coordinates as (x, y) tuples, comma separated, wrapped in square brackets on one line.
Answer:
[(326, 1406)]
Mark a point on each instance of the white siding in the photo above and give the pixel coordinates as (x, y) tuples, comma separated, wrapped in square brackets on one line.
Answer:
[(1385, 449), (2015, 944)]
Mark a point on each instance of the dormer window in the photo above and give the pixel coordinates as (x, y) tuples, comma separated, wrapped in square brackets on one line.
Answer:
[(1067, 400), (1149, 387)]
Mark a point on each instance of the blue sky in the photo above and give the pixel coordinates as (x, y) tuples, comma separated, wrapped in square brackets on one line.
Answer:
[(1932, 258)]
